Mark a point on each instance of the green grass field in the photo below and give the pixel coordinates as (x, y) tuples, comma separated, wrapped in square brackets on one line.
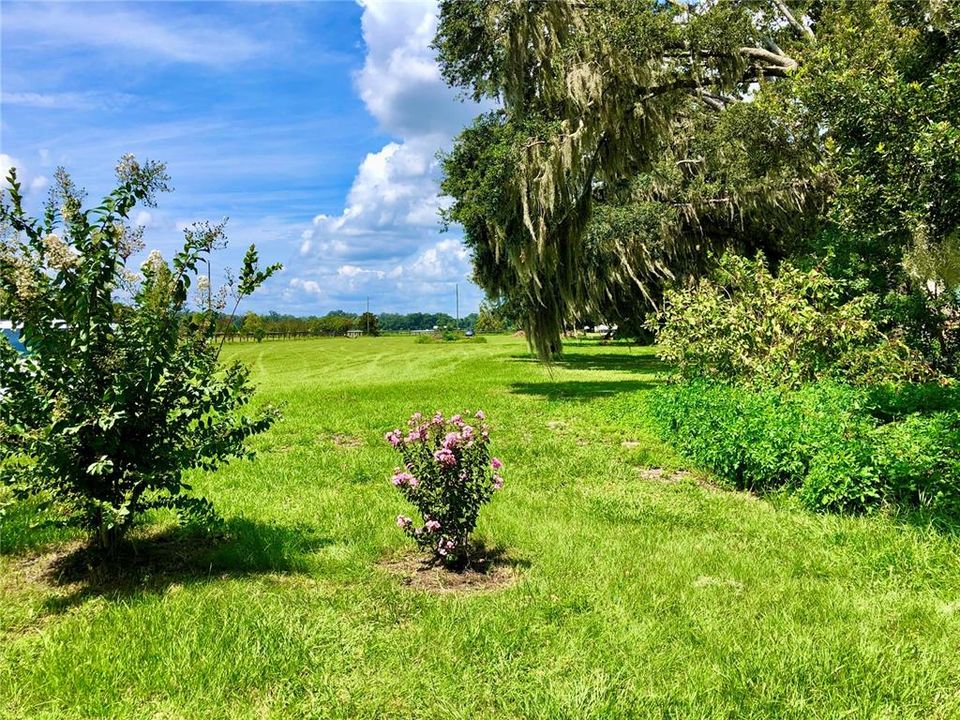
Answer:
[(632, 596)]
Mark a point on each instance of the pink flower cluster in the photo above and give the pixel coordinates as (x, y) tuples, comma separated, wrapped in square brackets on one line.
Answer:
[(404, 479), (445, 456), (448, 475), (394, 437), (497, 464)]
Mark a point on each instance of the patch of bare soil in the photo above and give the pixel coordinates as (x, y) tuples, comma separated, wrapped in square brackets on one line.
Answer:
[(42, 567), (674, 477), (346, 441), (705, 581), (343, 441), (31, 575), (487, 570), (670, 477), (154, 558)]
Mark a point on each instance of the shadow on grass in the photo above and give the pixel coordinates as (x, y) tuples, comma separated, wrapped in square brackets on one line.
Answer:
[(620, 362), (580, 390), (926, 519), (26, 526), (483, 558), (486, 568), (153, 562)]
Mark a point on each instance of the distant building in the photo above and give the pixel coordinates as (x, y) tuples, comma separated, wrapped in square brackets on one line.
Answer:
[(354, 333)]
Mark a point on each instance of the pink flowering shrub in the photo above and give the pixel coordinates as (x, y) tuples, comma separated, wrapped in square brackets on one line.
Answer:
[(448, 475)]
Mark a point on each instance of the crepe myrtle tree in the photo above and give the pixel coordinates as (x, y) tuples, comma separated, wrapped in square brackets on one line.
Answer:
[(121, 389)]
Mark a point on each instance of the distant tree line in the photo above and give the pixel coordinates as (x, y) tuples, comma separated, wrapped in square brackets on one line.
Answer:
[(339, 322)]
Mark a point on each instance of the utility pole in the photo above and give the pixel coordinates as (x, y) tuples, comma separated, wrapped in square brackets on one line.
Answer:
[(458, 306), (368, 316)]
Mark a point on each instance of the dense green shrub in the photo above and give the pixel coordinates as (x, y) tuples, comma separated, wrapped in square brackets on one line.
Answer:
[(843, 477), (758, 439), (745, 323), (920, 459), (114, 400), (839, 447), (895, 402)]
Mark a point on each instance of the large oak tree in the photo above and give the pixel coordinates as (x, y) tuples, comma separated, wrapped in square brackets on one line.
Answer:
[(635, 139)]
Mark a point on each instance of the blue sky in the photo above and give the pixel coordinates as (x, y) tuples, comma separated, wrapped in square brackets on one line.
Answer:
[(313, 126)]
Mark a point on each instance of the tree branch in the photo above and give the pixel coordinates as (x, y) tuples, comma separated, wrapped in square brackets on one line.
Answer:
[(779, 60), (802, 29), (782, 66), (773, 47), (712, 101)]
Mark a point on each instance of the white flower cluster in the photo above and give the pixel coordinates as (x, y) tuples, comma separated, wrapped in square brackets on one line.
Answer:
[(57, 253), (153, 262)]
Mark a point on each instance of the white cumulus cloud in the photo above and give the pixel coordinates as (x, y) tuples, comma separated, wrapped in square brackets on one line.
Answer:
[(311, 287), (446, 259), (31, 183), (386, 240), (400, 81), (424, 281)]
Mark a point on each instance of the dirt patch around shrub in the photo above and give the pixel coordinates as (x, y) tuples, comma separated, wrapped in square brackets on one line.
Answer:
[(42, 568), (487, 570)]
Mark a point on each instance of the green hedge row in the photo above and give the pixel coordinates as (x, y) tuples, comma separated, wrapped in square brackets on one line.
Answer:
[(837, 447)]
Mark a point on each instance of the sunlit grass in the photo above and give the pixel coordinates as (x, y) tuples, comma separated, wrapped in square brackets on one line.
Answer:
[(635, 598)]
